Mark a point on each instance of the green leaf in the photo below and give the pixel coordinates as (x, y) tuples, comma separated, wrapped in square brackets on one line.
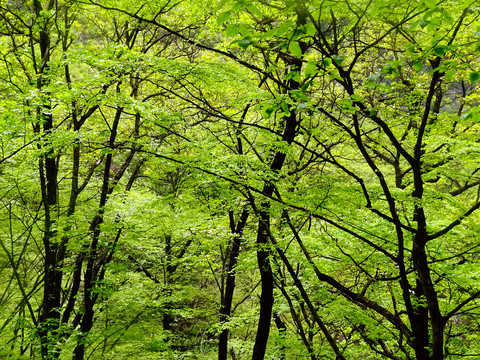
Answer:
[(310, 29), (254, 10), (224, 16), (347, 106), (267, 111), (295, 49), (245, 42), (431, 3), (271, 68), (281, 30), (238, 5), (232, 30), (335, 75), (107, 150), (302, 106), (418, 66), (327, 62), (391, 67), (338, 59), (299, 95), (449, 74), (285, 108), (270, 33), (311, 68), (474, 77), (467, 116), (441, 50), (356, 98)]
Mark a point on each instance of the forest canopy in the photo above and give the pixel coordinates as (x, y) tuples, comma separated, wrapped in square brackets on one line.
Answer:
[(239, 179)]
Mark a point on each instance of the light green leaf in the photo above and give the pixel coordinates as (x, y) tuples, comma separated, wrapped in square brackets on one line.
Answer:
[(295, 49), (418, 66), (232, 30), (285, 108), (281, 30), (356, 98), (224, 16), (254, 10), (311, 68), (310, 29), (449, 74)]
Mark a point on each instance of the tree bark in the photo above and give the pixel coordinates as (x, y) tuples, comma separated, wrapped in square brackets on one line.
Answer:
[(49, 319), (227, 299), (263, 251)]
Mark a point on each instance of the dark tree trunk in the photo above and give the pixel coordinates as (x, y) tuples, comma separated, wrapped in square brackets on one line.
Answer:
[(282, 329), (266, 296), (263, 249), (169, 271), (94, 263), (49, 319), (428, 330), (227, 299)]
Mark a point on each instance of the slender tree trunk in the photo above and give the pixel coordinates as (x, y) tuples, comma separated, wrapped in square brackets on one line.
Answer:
[(49, 319), (227, 299), (263, 250), (169, 271), (91, 271), (428, 341), (266, 275), (282, 329)]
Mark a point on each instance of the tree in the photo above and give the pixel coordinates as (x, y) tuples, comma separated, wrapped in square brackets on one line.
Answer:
[(332, 142), (62, 114), (367, 121), (398, 154)]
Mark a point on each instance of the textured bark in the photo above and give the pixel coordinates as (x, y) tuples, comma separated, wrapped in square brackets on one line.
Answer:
[(169, 271), (282, 328), (49, 318), (263, 250), (266, 296), (227, 298)]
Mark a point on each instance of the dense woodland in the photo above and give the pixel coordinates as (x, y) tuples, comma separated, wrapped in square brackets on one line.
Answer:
[(240, 179)]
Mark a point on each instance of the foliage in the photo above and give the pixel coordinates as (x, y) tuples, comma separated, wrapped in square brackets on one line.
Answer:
[(191, 179)]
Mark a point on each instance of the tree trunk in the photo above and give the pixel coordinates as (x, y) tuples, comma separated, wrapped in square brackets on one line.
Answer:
[(227, 299), (49, 319), (263, 251), (282, 328), (266, 275), (169, 271)]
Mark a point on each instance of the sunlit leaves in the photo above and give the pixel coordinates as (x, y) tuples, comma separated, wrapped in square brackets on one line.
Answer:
[(295, 49), (223, 17), (310, 69)]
